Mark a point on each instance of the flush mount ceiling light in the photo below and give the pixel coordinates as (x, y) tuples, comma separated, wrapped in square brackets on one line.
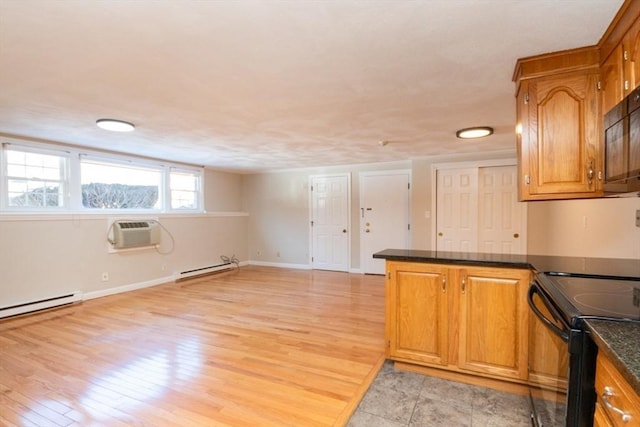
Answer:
[(476, 132), (115, 125)]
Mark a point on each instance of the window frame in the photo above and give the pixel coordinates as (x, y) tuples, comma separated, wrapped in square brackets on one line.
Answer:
[(199, 199), (64, 157), (74, 156), (124, 163)]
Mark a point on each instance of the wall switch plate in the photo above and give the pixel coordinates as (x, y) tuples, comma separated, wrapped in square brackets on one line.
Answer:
[(638, 218)]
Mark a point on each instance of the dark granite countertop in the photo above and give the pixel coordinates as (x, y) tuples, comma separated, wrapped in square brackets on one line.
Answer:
[(620, 342), (629, 268)]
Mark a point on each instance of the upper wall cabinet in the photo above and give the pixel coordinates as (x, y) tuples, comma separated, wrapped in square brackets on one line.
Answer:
[(620, 56), (559, 125)]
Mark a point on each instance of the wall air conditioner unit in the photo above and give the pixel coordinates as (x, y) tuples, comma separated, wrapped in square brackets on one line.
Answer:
[(135, 234)]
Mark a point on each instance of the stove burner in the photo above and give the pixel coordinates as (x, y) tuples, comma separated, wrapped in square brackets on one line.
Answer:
[(607, 303), (602, 297)]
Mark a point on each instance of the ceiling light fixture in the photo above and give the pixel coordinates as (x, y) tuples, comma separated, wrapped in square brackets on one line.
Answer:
[(475, 132), (115, 125)]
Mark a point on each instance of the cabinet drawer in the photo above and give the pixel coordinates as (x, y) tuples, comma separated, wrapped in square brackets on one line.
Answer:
[(615, 396)]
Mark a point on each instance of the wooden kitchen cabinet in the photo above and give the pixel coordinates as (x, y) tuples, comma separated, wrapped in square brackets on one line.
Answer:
[(631, 58), (558, 126), (620, 55), (470, 320), (417, 312), (612, 79), (617, 404), (493, 321)]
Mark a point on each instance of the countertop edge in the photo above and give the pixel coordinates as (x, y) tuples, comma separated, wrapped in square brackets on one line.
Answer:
[(609, 346)]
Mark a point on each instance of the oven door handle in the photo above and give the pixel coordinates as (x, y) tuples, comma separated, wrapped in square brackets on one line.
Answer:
[(564, 335)]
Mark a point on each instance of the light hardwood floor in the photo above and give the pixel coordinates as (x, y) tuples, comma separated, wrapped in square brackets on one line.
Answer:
[(256, 346)]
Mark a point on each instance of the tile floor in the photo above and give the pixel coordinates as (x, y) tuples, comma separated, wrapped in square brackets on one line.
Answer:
[(405, 399)]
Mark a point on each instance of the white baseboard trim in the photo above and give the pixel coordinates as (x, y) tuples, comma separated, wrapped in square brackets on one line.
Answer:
[(356, 271), (280, 265), (126, 288)]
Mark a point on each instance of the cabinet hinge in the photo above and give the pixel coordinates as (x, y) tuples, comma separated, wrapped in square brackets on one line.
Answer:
[(389, 275), (312, 223), (526, 98), (388, 343), (409, 227), (312, 188), (527, 180), (625, 55), (408, 186), (599, 85), (626, 85)]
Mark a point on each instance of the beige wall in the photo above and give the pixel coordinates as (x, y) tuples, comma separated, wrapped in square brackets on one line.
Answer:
[(602, 228), (44, 255), (279, 213)]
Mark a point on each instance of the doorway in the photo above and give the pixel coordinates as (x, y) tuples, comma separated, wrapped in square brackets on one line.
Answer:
[(384, 215), (330, 195)]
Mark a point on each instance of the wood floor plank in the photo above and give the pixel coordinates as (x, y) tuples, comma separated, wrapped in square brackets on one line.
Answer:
[(258, 346)]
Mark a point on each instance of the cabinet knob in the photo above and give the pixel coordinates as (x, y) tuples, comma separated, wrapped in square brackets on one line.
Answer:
[(516, 235), (440, 234)]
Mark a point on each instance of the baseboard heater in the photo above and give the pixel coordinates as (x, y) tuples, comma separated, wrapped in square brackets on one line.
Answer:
[(202, 271), (43, 304)]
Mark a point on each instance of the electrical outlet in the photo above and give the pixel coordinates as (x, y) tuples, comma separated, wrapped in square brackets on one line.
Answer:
[(638, 218), (105, 276)]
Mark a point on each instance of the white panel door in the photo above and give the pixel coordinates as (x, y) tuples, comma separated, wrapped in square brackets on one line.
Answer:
[(457, 210), (501, 220), (329, 222), (384, 216)]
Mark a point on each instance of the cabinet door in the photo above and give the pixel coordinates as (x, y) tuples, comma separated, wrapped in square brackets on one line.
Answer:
[(562, 138), (494, 321), (417, 312), (600, 418), (631, 55), (612, 81)]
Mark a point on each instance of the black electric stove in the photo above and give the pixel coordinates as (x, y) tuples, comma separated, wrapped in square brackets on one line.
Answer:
[(582, 296), (572, 298)]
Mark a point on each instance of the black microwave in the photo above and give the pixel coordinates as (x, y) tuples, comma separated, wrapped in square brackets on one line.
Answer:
[(622, 146)]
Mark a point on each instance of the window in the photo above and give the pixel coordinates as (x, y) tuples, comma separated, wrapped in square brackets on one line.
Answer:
[(107, 185), (184, 189), (35, 179)]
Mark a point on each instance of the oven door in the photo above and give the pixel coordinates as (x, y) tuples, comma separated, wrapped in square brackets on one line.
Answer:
[(548, 361)]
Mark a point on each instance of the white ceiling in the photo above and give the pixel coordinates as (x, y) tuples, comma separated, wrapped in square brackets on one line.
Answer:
[(257, 85)]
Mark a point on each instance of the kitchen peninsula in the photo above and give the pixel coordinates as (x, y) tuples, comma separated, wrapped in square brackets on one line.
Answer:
[(465, 316)]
